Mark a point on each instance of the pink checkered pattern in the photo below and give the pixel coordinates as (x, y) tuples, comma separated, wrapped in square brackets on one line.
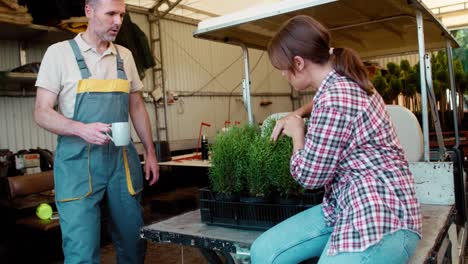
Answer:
[(351, 149)]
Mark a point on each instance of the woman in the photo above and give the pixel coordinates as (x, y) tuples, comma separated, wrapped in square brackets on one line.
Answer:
[(369, 212)]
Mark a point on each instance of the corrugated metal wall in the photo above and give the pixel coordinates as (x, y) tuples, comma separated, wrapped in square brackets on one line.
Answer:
[(18, 130), (201, 67), (17, 127)]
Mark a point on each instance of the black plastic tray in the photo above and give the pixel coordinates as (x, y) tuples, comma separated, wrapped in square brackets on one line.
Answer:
[(257, 216)]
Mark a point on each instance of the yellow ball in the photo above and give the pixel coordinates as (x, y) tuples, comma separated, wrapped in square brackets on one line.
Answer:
[(44, 211)]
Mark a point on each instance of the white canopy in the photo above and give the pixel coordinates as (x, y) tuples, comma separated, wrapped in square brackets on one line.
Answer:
[(372, 28)]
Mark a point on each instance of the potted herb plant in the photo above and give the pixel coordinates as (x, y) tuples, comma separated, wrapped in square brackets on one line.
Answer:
[(257, 175), (229, 161), (280, 174)]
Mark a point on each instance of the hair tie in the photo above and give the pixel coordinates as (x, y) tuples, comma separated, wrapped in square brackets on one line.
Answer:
[(330, 51)]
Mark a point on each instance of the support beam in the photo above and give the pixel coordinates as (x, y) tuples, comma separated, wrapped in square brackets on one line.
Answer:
[(246, 84), (425, 119), (196, 10), (161, 13)]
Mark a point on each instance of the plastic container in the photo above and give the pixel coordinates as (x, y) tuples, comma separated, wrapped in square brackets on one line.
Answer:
[(256, 216)]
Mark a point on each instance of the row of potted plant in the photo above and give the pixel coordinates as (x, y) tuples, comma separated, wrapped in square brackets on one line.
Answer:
[(247, 164)]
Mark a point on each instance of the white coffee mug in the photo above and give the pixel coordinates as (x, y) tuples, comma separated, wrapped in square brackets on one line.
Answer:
[(120, 133)]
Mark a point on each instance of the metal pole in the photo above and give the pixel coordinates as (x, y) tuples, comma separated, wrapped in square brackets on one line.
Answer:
[(246, 84), (453, 93), (425, 122)]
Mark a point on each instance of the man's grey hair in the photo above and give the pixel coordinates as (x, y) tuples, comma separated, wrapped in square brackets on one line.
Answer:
[(92, 3)]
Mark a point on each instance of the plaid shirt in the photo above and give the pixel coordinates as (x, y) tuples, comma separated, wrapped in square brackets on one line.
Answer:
[(351, 149)]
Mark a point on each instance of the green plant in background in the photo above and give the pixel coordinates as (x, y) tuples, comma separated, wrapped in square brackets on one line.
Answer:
[(406, 79), (409, 79), (394, 81), (462, 53), (381, 85), (390, 85), (441, 82)]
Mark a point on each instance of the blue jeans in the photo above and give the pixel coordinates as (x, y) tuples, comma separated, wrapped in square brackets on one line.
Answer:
[(305, 236)]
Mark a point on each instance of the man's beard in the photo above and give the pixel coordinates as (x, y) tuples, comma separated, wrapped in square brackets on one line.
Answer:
[(109, 38)]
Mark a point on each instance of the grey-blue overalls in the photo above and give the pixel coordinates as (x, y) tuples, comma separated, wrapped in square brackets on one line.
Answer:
[(85, 172)]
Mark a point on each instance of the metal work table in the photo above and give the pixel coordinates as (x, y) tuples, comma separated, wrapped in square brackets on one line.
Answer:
[(188, 230)]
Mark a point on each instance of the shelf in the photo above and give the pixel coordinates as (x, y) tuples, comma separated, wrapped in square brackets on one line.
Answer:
[(17, 84), (33, 32), (19, 77)]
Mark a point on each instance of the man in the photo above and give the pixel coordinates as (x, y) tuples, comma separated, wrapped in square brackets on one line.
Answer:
[(96, 84)]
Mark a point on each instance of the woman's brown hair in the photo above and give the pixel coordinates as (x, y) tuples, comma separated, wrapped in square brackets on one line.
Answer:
[(305, 37)]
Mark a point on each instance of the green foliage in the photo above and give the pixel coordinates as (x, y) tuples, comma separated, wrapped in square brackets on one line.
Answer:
[(280, 174), (408, 79), (259, 157), (396, 86), (228, 163), (245, 161), (381, 85), (412, 83), (461, 53), (391, 84), (437, 86), (393, 69), (405, 66)]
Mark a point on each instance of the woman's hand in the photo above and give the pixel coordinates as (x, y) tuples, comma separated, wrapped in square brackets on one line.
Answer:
[(291, 125), (294, 127), (303, 111)]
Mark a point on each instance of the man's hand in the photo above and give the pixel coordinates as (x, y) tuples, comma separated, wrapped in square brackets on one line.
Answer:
[(94, 133), (151, 168)]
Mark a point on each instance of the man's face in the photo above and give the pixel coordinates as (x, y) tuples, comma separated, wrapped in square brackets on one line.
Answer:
[(106, 18)]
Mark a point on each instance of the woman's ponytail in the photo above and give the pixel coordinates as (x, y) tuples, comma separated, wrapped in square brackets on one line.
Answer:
[(346, 62)]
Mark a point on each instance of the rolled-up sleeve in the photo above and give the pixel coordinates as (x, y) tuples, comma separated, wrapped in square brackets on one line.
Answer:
[(314, 165)]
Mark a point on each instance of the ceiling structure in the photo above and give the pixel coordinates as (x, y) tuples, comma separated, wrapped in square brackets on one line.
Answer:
[(452, 13), (371, 28)]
